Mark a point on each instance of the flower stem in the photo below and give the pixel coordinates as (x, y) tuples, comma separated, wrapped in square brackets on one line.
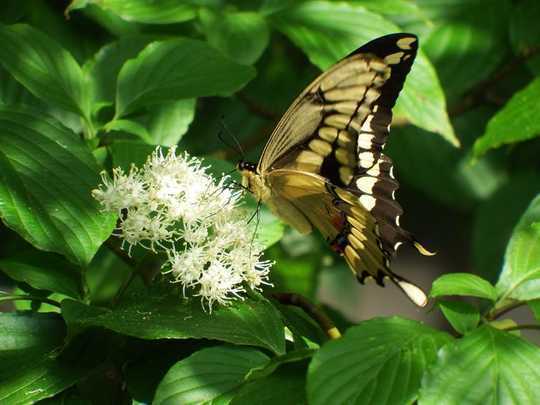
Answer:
[(9, 297), (313, 311)]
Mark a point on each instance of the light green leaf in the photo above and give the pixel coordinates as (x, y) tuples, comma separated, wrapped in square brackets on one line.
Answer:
[(168, 123), (534, 305), (380, 361), (487, 366), (520, 277), (149, 12), (158, 314), (517, 121), (177, 69), (131, 127), (464, 284), (44, 68), (47, 176), (208, 376), (327, 31), (462, 316), (242, 35)]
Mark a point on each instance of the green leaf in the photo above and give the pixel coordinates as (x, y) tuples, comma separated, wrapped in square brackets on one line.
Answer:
[(177, 69), (131, 127), (328, 31), (276, 362), (44, 68), (462, 316), (517, 121), (126, 152), (464, 284), (380, 361), (525, 31), (486, 366), (286, 386), (208, 376), (43, 271), (465, 52), (149, 12), (495, 220), (242, 35), (534, 305), (520, 277), (103, 69), (28, 371), (158, 314), (27, 331), (168, 123), (47, 176)]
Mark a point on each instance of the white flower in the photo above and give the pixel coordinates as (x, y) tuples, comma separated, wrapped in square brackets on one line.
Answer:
[(173, 205)]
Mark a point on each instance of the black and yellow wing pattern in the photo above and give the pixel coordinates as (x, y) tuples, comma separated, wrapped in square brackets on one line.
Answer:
[(324, 163)]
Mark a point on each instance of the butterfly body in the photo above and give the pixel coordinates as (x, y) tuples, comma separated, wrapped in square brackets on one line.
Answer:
[(324, 167)]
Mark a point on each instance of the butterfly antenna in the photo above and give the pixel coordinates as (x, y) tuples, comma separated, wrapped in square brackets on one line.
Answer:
[(255, 214), (237, 146)]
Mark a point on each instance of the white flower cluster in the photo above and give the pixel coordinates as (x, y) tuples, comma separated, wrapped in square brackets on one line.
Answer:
[(173, 205)]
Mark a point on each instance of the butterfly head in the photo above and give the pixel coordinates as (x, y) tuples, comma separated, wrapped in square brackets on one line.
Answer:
[(244, 166), (252, 180)]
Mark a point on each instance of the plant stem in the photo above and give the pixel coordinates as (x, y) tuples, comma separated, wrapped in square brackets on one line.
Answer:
[(6, 297), (523, 326), (313, 311), (498, 312)]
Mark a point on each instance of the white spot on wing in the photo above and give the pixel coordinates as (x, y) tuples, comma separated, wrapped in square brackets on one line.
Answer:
[(366, 126), (394, 58), (405, 43), (365, 184), (368, 202), (413, 292)]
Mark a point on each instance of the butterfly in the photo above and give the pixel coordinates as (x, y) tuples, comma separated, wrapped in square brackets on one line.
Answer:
[(323, 166)]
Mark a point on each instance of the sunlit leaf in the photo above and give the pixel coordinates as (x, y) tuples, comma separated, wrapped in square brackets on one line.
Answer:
[(45, 194), (520, 278), (463, 284), (149, 12), (242, 35), (160, 314), (208, 376), (517, 121), (47, 70), (383, 358), (486, 366), (177, 69)]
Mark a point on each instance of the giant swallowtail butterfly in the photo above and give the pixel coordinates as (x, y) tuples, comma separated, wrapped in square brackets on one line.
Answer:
[(324, 167)]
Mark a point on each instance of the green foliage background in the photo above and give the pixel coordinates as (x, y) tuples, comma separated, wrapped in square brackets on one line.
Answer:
[(95, 84)]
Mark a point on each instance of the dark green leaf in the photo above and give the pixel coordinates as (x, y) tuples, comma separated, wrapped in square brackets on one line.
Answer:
[(534, 305), (380, 361), (177, 69), (468, 48), (41, 197), (208, 376), (465, 284), (126, 152), (521, 272), (517, 121), (286, 386), (241, 35), (44, 68), (486, 366), (43, 271), (525, 31), (149, 12), (462, 316), (103, 69), (329, 31), (273, 364), (157, 314)]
